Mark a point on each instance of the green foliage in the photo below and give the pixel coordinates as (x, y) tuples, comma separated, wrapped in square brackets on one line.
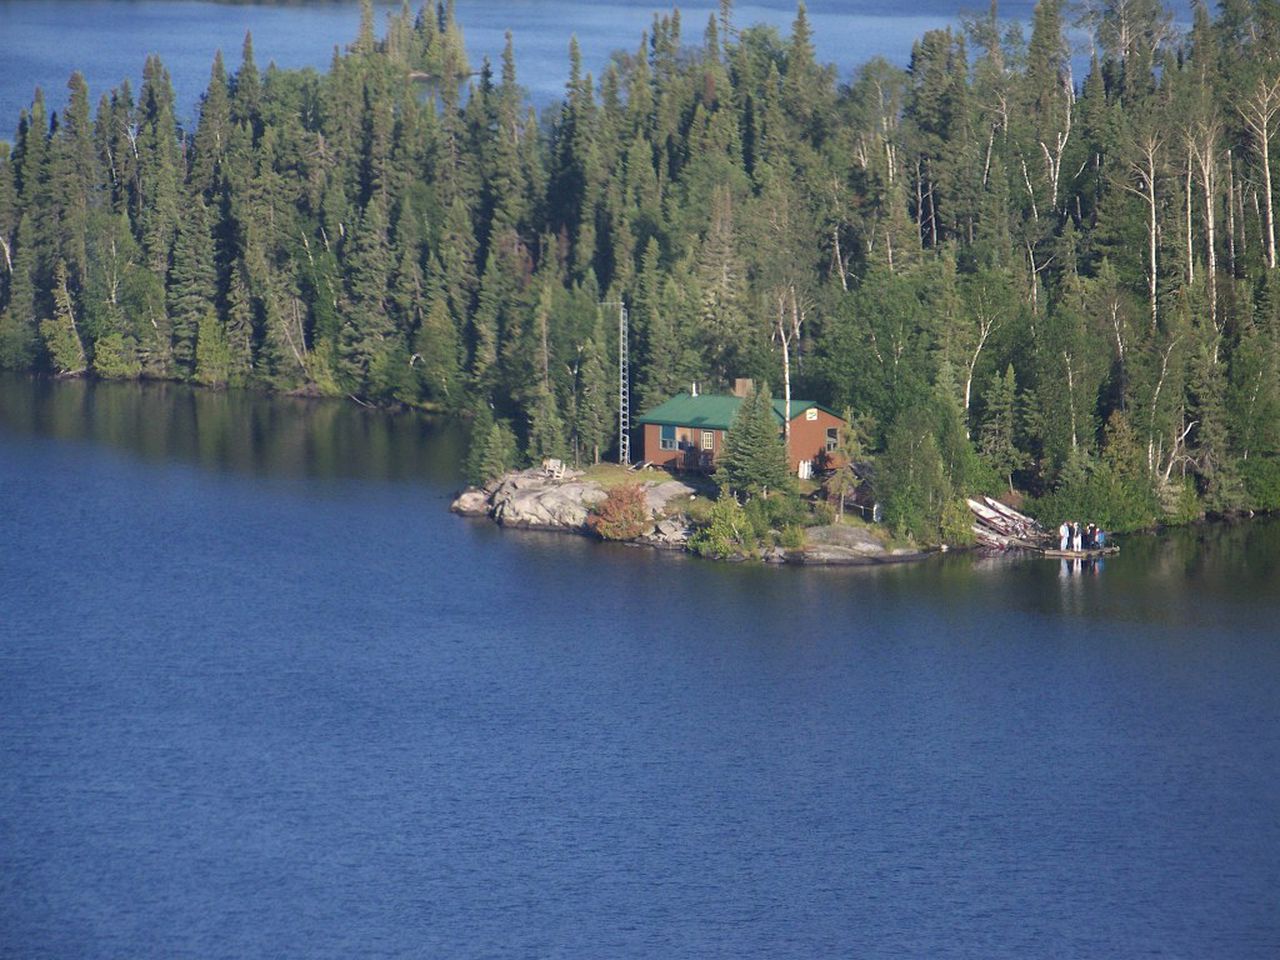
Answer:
[(792, 537), (1262, 482), (1100, 495), (911, 481), (1181, 504), (728, 533), (546, 429), (61, 337), (927, 470), (492, 451), (115, 358), (911, 235), (754, 459), (955, 525), (997, 442), (213, 356), (622, 515), (595, 414)]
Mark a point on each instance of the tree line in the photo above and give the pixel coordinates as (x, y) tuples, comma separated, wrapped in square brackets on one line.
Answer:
[(1014, 278)]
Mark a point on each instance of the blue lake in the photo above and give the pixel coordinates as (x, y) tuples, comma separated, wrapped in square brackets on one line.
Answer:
[(261, 695)]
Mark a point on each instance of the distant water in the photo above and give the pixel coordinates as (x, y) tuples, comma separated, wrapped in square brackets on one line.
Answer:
[(108, 40), (262, 696)]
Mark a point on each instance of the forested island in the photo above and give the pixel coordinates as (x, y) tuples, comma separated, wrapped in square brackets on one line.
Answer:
[(1013, 280)]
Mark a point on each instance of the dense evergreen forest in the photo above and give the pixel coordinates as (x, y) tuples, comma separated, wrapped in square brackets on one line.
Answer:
[(1012, 277)]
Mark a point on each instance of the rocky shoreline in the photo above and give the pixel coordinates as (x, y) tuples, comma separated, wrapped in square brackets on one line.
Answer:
[(535, 499)]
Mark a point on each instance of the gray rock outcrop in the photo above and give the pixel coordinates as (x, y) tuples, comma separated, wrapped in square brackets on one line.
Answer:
[(535, 502), (671, 533), (840, 544), (535, 499), (658, 495), (472, 502)]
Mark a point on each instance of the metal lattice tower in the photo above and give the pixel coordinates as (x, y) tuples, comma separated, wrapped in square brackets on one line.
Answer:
[(624, 387)]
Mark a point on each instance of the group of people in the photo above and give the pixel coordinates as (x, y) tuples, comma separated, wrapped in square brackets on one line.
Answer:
[(1075, 537)]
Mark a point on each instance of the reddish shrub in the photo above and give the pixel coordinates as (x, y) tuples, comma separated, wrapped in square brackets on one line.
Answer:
[(622, 515)]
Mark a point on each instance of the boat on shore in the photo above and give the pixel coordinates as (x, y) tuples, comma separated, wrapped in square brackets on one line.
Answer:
[(998, 526)]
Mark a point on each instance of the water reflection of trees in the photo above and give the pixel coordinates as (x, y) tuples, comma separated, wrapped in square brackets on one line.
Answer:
[(235, 430)]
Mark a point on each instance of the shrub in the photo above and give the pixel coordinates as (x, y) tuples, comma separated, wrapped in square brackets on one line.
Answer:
[(793, 537), (727, 534), (757, 516), (116, 359), (824, 515), (786, 510), (1261, 483), (622, 515)]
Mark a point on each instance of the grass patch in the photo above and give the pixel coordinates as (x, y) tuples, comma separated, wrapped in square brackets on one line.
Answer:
[(610, 475)]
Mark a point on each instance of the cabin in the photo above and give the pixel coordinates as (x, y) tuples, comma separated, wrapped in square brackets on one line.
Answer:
[(687, 432)]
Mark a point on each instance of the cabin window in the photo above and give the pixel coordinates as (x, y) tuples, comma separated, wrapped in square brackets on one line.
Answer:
[(668, 439), (708, 440), (833, 439)]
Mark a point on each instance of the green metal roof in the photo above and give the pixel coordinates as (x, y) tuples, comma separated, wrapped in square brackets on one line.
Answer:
[(713, 411)]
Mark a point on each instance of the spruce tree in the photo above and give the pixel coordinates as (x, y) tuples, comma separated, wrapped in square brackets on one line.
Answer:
[(754, 460), (594, 417), (997, 438), (438, 351), (193, 283)]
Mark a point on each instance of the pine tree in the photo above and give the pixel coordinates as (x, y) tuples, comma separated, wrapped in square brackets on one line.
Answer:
[(18, 319), (438, 351), (61, 336), (546, 427), (213, 361), (158, 166), (74, 178), (367, 328), (499, 452), (594, 413), (193, 283), (997, 439), (753, 460), (213, 133), (246, 90)]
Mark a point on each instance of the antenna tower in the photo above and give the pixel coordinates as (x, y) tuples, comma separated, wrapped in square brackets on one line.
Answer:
[(624, 383)]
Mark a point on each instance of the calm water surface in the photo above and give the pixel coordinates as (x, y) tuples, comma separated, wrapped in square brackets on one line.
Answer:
[(261, 695)]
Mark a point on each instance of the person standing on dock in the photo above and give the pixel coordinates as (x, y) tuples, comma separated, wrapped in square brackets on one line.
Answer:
[(1064, 535), (1076, 542)]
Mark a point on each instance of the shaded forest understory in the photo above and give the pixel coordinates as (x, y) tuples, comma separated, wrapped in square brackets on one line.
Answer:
[(1012, 277)]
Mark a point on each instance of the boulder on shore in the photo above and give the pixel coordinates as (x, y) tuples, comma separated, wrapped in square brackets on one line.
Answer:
[(472, 502), (670, 533)]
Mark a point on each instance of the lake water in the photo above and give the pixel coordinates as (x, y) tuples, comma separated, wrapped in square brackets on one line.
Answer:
[(108, 40), (261, 695)]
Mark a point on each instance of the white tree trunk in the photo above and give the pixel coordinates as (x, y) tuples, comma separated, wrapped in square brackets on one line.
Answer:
[(1258, 112)]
